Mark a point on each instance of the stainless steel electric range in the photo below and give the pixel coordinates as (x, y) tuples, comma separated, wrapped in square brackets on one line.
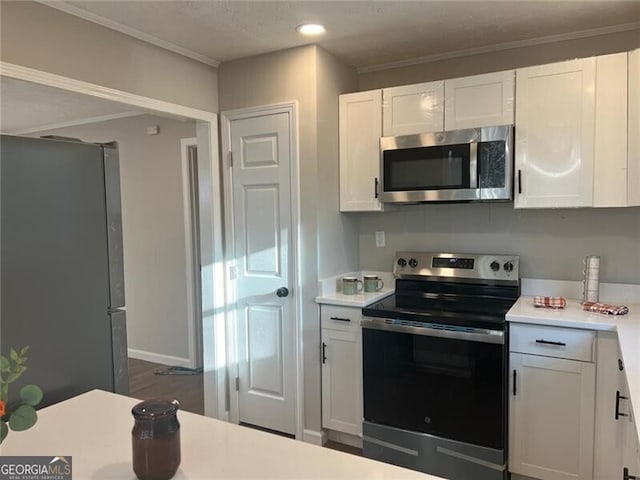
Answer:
[(435, 365)]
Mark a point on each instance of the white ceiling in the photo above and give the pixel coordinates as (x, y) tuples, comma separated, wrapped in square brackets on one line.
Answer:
[(28, 107), (366, 34)]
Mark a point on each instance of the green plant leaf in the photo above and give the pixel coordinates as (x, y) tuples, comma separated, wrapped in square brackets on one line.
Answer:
[(5, 365), (13, 354), (4, 430), (13, 376), (31, 394), (24, 351), (22, 418)]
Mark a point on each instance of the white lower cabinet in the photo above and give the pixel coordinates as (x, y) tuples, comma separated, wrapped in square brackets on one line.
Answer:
[(341, 369), (551, 410), (616, 445)]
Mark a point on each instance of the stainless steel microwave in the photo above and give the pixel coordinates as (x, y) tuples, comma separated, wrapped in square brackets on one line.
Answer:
[(456, 166)]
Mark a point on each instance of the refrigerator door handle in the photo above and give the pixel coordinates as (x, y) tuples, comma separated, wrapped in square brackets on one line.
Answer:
[(120, 352), (114, 224)]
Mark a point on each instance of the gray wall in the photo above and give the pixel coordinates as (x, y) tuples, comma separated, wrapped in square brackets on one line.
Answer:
[(502, 60), (40, 37), (295, 75), (337, 233), (551, 243), (153, 228)]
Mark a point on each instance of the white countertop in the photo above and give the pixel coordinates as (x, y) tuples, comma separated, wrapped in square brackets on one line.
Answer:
[(95, 430), (329, 290), (627, 327), (357, 300)]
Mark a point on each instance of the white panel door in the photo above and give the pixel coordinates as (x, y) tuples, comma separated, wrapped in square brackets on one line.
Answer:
[(262, 230), (479, 101), (555, 116), (551, 417), (413, 109), (360, 131), (342, 380)]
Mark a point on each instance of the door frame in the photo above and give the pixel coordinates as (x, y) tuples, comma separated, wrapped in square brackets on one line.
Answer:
[(210, 200), (194, 333), (291, 108)]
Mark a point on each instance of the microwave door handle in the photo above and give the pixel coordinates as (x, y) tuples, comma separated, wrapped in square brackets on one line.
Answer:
[(473, 165)]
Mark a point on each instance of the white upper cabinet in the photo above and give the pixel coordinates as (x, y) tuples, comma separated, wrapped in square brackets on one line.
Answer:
[(555, 116), (360, 132), (610, 169), (479, 101), (413, 109), (633, 146)]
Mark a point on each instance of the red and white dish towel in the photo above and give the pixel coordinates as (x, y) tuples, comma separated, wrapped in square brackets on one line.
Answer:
[(605, 308), (549, 302)]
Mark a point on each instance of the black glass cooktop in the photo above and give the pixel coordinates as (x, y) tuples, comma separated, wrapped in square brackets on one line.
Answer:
[(477, 305)]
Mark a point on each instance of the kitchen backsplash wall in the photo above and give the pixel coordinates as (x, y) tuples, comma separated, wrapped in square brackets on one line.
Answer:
[(552, 244)]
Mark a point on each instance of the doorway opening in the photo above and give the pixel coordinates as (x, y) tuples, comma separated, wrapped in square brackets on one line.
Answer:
[(211, 302)]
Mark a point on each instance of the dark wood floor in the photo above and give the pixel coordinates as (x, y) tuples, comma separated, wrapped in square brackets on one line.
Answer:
[(145, 385), (187, 389), (343, 448)]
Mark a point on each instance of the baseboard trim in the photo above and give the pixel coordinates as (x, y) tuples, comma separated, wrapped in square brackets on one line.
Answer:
[(345, 438), (314, 437), (159, 358)]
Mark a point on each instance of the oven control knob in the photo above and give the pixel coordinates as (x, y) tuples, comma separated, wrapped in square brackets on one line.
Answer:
[(508, 267), (495, 266), (413, 263), (402, 262)]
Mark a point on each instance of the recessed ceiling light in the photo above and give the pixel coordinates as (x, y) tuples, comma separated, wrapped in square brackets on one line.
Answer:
[(311, 29)]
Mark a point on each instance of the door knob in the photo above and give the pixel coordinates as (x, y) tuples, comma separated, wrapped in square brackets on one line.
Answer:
[(282, 292)]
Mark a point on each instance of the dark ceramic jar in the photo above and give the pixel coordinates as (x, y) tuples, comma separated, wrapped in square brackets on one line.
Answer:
[(156, 439)]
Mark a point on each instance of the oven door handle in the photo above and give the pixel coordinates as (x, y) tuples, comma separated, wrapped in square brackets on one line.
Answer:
[(477, 335)]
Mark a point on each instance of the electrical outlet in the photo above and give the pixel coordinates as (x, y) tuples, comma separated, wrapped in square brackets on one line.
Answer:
[(380, 240)]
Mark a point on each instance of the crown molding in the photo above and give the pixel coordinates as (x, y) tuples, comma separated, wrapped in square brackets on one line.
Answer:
[(502, 46), (132, 32), (151, 105), (75, 123)]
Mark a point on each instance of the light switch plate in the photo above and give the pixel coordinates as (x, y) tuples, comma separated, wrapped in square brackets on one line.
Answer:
[(380, 240)]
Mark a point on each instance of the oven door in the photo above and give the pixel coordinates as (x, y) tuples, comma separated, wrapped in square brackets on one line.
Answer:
[(441, 380)]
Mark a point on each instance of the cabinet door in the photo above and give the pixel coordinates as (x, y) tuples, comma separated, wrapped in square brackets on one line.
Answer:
[(360, 131), (555, 116), (609, 431), (479, 101), (610, 154), (551, 417), (342, 381), (633, 155), (631, 448), (413, 109)]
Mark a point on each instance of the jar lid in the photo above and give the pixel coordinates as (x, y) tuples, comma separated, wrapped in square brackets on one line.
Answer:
[(156, 408)]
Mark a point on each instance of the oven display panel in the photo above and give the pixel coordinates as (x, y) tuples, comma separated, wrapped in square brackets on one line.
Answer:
[(462, 263)]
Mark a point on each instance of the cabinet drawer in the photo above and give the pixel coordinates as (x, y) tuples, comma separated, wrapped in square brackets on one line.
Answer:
[(340, 318), (556, 342)]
